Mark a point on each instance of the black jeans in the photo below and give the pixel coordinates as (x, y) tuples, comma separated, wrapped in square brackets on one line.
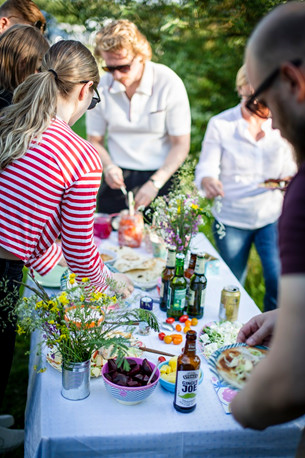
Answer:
[(113, 200), (9, 295)]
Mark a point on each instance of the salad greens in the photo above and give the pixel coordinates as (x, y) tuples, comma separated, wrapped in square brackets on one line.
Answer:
[(218, 334)]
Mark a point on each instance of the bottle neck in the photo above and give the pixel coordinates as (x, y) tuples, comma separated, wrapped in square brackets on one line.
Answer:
[(192, 262), (171, 259), (200, 265), (190, 346), (179, 272)]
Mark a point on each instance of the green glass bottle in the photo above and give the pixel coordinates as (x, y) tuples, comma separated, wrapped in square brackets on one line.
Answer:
[(197, 290), (167, 275), (177, 291)]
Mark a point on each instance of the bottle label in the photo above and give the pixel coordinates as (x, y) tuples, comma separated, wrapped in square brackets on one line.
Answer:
[(202, 301), (171, 259), (191, 297), (186, 388), (169, 297), (200, 265), (162, 290), (178, 301)]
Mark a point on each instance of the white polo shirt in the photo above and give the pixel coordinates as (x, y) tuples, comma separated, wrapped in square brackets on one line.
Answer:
[(138, 129), (230, 154)]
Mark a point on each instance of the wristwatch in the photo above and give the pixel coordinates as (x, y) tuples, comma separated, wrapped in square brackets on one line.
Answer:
[(157, 184)]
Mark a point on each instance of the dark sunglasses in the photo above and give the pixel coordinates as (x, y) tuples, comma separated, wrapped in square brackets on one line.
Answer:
[(42, 26), (95, 100), (258, 107), (121, 68), (38, 24)]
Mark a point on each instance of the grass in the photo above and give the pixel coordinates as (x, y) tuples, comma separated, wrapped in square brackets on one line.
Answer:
[(16, 392)]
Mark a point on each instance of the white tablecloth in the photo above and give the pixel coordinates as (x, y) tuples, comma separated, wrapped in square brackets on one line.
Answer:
[(101, 427)]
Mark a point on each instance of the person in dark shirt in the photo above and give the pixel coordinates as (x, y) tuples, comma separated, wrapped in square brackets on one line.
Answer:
[(275, 60), (21, 50)]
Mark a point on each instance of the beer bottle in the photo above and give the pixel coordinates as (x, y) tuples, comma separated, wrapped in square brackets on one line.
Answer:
[(177, 290), (188, 365), (197, 289), (190, 270), (167, 275)]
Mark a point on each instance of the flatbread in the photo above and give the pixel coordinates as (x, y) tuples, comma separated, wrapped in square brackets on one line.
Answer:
[(235, 364), (141, 262)]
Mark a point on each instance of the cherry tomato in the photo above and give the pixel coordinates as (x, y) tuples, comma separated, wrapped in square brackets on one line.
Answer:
[(187, 323), (161, 359), (187, 328), (168, 339), (170, 320), (178, 327), (175, 335), (183, 318), (161, 335), (177, 340), (194, 321)]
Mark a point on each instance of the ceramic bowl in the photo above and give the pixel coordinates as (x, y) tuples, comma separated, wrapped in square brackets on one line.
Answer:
[(171, 386), (127, 395)]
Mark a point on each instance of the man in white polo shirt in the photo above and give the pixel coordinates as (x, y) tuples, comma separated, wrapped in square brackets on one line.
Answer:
[(145, 114)]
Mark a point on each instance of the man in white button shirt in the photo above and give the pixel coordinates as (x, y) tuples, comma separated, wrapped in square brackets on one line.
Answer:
[(145, 114), (239, 152)]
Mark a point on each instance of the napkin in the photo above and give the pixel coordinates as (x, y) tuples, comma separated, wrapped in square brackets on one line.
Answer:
[(224, 393)]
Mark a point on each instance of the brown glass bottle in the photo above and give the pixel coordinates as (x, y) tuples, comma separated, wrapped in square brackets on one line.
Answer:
[(197, 289), (167, 275), (188, 365), (188, 273)]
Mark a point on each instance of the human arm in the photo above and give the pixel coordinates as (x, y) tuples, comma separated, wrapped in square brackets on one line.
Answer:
[(46, 261), (275, 393), (77, 241), (259, 330), (180, 145), (112, 173), (208, 168)]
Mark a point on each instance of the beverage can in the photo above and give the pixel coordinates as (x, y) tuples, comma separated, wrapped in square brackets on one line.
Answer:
[(229, 303), (146, 303)]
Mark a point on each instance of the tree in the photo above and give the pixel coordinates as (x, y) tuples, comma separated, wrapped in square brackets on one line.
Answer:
[(203, 41)]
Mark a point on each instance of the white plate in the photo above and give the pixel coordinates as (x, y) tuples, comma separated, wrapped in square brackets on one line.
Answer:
[(52, 279)]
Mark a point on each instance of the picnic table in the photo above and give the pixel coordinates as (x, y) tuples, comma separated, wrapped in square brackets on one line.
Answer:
[(99, 426)]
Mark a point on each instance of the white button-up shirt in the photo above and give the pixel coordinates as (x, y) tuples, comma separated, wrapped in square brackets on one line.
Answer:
[(138, 129), (230, 154)]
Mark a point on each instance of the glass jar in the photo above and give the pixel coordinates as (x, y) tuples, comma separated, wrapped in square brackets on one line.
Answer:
[(131, 229), (102, 225)]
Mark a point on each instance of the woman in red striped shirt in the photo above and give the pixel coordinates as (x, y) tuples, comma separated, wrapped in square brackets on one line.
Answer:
[(49, 177)]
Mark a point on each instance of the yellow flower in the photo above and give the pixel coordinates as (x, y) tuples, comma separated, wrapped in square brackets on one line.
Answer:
[(51, 322), (85, 280), (20, 330), (195, 207)]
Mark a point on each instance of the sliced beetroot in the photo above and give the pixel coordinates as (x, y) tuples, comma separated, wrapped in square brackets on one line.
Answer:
[(132, 383), (146, 367), (135, 370), (121, 379), (112, 366)]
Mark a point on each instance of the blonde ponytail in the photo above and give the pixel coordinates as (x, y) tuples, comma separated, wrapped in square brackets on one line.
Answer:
[(35, 100)]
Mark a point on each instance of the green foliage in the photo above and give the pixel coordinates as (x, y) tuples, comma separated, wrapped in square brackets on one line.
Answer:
[(203, 41)]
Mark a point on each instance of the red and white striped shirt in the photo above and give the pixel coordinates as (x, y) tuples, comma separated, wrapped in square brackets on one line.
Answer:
[(52, 190)]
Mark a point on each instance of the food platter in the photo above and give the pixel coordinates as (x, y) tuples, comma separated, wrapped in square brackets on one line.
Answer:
[(274, 184), (233, 364), (217, 334)]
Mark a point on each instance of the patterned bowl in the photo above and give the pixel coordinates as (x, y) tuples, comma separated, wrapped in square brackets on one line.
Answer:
[(127, 395), (171, 386)]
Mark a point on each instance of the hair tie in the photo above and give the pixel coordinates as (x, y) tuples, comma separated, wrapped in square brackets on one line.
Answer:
[(54, 73)]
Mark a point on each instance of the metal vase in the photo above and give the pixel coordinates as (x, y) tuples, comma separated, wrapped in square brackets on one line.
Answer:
[(75, 380)]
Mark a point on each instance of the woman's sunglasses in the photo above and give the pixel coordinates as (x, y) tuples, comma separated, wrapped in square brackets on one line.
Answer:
[(38, 24), (95, 100), (121, 68)]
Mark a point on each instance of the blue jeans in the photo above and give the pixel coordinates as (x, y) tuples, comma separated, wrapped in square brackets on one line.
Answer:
[(235, 246)]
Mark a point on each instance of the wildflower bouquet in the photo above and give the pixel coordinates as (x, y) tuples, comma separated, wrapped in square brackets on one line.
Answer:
[(79, 321), (178, 215)]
